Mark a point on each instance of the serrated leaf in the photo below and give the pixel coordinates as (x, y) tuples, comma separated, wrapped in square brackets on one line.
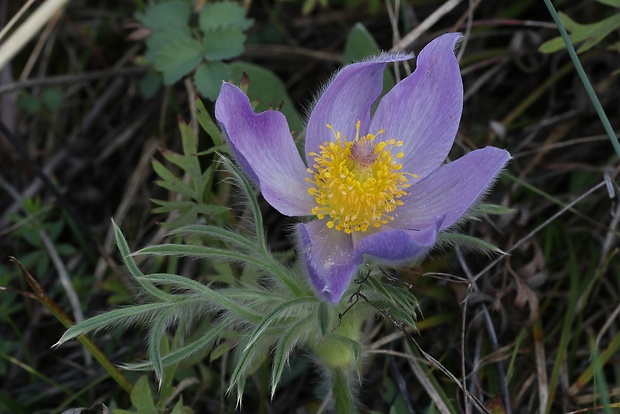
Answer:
[(268, 89), (211, 209), (174, 13), (208, 78), (168, 206), (163, 172), (214, 15), (189, 161), (177, 59), (223, 43), (161, 38)]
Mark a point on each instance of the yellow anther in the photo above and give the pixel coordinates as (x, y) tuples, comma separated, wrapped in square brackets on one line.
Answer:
[(357, 183)]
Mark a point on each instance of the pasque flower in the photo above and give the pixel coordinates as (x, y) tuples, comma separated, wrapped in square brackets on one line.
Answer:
[(374, 182)]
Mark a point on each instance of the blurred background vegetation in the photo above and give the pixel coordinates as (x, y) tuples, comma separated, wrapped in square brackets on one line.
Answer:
[(89, 107)]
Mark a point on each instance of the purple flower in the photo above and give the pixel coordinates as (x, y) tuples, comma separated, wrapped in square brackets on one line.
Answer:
[(374, 182)]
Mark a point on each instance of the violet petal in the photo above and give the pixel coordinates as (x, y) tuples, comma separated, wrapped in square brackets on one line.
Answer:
[(424, 109), (398, 246), (347, 99), (265, 149), (450, 190), (328, 257)]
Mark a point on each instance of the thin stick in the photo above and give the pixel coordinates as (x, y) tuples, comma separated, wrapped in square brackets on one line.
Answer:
[(28, 29), (15, 18), (413, 35), (537, 229)]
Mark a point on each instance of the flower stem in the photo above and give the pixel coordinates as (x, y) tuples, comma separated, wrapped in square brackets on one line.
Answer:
[(342, 389)]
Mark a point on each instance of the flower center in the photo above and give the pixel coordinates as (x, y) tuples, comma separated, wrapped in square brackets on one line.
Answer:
[(358, 183)]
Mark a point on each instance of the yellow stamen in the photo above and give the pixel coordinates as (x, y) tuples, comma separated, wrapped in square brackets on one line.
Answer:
[(358, 183)]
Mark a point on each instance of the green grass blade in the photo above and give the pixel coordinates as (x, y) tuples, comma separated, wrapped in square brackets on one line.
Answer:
[(584, 78)]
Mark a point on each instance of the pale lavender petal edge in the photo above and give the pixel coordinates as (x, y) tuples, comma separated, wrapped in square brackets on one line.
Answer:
[(451, 189), (265, 148), (424, 109), (346, 99)]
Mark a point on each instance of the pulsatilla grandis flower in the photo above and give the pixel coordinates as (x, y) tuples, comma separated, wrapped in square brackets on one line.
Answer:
[(374, 182)]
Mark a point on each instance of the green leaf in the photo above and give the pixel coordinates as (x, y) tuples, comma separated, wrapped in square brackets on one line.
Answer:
[(51, 98), (179, 408), (589, 34), (323, 317), (164, 15), (177, 59), (150, 84), (156, 336), (193, 348), (223, 43), (360, 44), (471, 242), (268, 89), (142, 398), (208, 78), (134, 270), (216, 15), (205, 293), (271, 318), (112, 318), (487, 208), (206, 122), (612, 3), (204, 209), (217, 233), (161, 38), (171, 182), (189, 161), (283, 350)]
